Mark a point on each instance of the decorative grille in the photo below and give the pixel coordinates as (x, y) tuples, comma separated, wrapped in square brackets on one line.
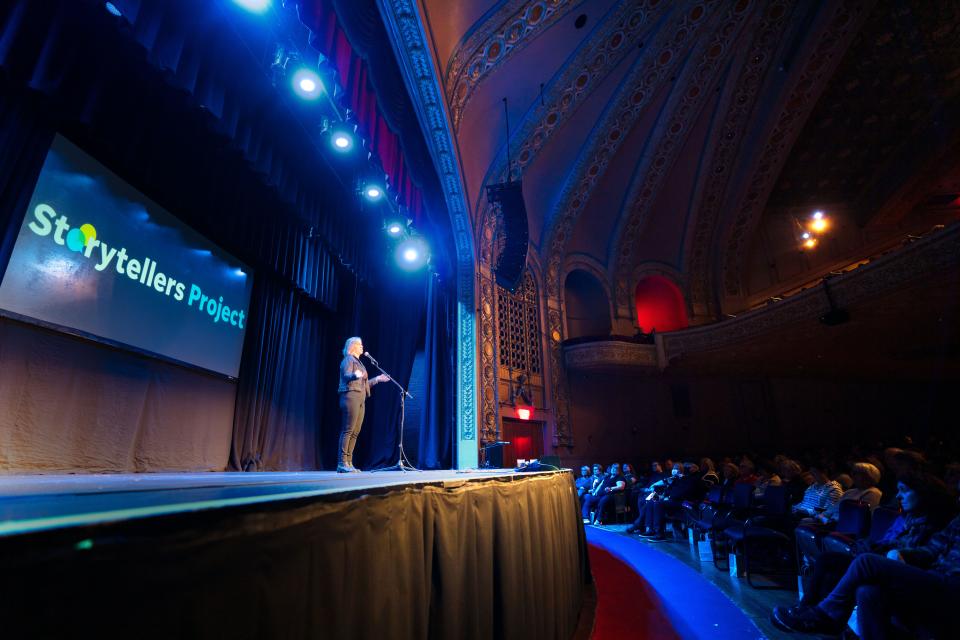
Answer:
[(518, 327)]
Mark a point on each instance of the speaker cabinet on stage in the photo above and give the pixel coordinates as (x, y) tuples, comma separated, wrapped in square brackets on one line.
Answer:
[(511, 261)]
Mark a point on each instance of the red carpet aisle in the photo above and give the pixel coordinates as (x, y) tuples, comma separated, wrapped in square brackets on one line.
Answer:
[(627, 607)]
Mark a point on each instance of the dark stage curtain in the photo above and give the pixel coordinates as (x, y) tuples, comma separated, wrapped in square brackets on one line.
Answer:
[(437, 427), (495, 559), (277, 422), (391, 325), (25, 137)]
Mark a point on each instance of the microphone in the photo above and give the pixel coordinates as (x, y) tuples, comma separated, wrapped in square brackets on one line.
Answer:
[(367, 355)]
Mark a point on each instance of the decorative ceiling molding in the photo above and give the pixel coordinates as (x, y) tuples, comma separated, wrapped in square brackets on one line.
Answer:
[(409, 40), (494, 42), (730, 135), (606, 47), (646, 77), (707, 61), (833, 41), (918, 261)]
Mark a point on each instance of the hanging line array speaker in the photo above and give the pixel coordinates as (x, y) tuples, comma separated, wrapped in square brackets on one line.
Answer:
[(511, 261)]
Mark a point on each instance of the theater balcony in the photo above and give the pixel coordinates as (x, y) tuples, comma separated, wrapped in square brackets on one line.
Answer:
[(871, 306), (605, 353)]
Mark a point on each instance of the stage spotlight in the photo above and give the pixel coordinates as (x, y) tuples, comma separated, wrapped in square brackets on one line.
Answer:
[(412, 254), (341, 137), (253, 6), (394, 228), (372, 192), (307, 84), (112, 9), (810, 243)]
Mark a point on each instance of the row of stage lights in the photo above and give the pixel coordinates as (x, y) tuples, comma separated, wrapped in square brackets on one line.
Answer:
[(813, 230), (411, 251)]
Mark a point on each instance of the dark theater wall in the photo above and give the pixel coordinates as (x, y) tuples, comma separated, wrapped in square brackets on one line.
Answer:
[(634, 417)]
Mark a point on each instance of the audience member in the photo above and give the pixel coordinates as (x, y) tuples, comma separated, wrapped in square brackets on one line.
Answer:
[(683, 485), (794, 479), (766, 478), (748, 473), (731, 473), (708, 473), (820, 495), (916, 584), (927, 506), (584, 482), (865, 478), (617, 484)]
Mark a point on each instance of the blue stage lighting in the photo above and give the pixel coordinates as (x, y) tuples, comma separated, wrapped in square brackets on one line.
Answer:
[(394, 228), (372, 192), (341, 141), (412, 254), (112, 9), (307, 84), (253, 6)]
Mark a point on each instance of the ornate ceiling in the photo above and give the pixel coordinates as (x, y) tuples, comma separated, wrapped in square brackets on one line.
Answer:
[(663, 135)]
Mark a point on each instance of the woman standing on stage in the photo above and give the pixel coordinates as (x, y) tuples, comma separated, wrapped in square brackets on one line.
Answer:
[(353, 390)]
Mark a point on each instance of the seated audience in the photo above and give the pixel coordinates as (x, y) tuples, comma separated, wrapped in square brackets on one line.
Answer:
[(584, 482), (766, 478), (731, 473), (820, 495), (598, 498), (927, 507), (748, 473), (844, 480), (918, 584), (865, 478), (683, 485), (604, 504), (794, 479), (630, 476), (708, 473)]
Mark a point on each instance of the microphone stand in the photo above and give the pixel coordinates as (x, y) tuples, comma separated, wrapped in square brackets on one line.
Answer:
[(403, 464)]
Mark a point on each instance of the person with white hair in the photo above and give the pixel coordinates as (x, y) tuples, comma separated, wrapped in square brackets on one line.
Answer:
[(865, 476), (354, 389)]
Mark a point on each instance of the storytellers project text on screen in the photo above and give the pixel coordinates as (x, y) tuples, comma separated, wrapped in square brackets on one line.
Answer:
[(96, 256)]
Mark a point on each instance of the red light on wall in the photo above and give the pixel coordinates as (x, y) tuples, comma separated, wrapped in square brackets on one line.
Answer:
[(524, 413)]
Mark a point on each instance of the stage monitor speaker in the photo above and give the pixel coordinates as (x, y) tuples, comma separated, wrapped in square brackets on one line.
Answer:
[(510, 263)]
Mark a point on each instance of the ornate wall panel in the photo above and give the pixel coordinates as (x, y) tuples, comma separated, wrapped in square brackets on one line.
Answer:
[(845, 21), (607, 355), (731, 133), (505, 33), (682, 109)]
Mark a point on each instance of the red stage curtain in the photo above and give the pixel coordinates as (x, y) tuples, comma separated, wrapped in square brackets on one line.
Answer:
[(354, 76)]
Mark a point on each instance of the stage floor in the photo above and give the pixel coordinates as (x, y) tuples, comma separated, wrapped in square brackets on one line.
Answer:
[(31, 503)]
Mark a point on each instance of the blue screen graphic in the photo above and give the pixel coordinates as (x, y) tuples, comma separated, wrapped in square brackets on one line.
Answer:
[(96, 257)]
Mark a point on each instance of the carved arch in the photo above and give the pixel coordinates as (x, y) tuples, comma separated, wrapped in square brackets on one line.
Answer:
[(492, 42), (584, 262), (608, 44), (708, 63), (663, 270)]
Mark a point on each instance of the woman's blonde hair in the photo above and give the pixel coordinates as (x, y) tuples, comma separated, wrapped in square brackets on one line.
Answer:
[(350, 341)]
